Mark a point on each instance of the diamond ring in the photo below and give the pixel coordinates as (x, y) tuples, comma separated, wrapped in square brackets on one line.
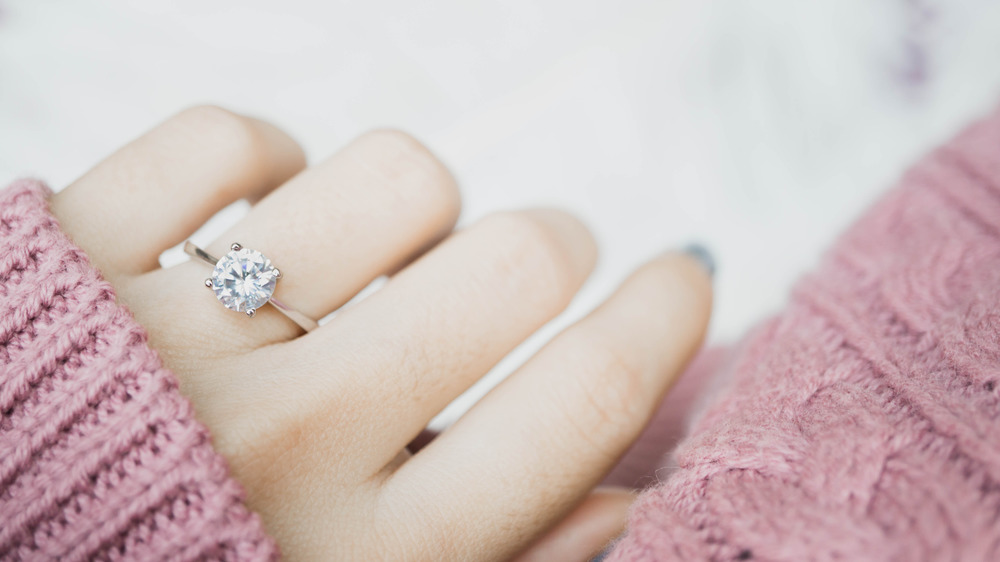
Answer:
[(243, 280)]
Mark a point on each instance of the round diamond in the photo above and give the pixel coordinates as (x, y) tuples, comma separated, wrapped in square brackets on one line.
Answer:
[(244, 280)]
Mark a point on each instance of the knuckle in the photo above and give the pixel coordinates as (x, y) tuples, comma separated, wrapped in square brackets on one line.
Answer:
[(532, 254), (220, 127), (407, 144), (401, 156), (612, 389), (678, 274)]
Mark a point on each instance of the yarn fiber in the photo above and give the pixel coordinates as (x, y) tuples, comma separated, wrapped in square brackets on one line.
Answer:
[(100, 456), (862, 422)]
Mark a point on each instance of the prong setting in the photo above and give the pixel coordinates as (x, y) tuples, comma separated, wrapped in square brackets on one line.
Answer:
[(243, 280)]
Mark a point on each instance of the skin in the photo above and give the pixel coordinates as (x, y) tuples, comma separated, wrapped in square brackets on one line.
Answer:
[(316, 426)]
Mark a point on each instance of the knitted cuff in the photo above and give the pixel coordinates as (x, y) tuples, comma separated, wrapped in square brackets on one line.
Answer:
[(100, 456), (860, 424)]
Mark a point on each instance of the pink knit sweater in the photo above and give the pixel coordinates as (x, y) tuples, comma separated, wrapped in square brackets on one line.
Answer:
[(863, 423), (860, 424), (100, 456)]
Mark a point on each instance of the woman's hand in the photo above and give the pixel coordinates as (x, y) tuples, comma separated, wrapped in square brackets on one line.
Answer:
[(316, 426)]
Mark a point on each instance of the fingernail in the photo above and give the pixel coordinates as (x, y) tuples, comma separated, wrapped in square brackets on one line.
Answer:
[(704, 257), (603, 554)]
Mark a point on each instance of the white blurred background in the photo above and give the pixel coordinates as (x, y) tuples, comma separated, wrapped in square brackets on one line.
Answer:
[(758, 128)]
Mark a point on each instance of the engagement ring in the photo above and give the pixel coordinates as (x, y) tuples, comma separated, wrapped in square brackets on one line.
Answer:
[(244, 280)]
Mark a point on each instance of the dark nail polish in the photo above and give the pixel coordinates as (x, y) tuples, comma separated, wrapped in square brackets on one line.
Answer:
[(603, 554), (701, 253)]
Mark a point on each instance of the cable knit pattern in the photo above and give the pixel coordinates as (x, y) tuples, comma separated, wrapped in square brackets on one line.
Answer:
[(862, 423), (100, 456)]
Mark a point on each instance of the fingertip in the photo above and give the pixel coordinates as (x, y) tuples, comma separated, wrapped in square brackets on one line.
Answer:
[(573, 235), (289, 157), (694, 270), (662, 312), (677, 286), (703, 255)]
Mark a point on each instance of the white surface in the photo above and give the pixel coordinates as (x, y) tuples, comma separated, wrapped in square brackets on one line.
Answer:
[(758, 128)]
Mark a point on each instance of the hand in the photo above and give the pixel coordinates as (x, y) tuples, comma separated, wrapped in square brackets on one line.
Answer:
[(316, 426)]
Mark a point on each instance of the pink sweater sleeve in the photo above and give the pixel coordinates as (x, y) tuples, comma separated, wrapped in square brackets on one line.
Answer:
[(100, 456), (863, 423)]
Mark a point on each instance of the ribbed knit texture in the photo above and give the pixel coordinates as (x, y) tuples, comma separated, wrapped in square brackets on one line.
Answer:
[(100, 456), (863, 423)]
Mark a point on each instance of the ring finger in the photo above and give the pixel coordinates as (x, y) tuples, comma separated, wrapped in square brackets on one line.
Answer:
[(331, 230)]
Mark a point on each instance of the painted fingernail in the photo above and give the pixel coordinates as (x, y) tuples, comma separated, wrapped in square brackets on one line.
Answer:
[(704, 257), (603, 554), (608, 548)]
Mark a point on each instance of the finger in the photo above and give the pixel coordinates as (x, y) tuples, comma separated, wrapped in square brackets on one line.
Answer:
[(438, 326), (522, 457), (158, 189), (446, 320), (586, 531), (330, 230)]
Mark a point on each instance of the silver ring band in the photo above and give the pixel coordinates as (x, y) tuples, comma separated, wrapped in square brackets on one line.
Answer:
[(267, 276)]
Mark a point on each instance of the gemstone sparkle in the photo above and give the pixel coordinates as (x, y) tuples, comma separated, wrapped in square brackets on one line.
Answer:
[(244, 280)]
